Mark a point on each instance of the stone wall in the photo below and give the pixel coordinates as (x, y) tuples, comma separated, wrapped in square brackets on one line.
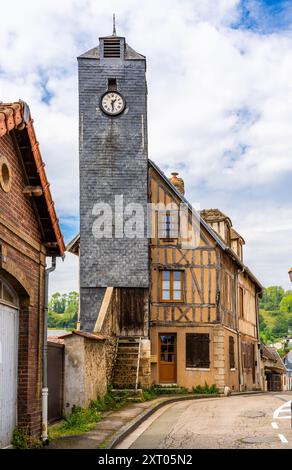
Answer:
[(145, 366), (219, 357)]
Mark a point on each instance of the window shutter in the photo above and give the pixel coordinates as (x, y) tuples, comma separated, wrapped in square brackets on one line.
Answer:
[(231, 353), (197, 350)]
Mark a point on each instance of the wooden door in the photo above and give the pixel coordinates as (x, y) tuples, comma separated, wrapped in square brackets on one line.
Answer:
[(55, 380), (167, 358), (253, 363)]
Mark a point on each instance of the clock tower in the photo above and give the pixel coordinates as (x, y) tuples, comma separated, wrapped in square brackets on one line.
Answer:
[(113, 173)]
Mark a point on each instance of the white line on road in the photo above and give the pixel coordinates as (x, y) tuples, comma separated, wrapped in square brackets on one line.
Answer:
[(285, 408), (283, 438), (275, 426)]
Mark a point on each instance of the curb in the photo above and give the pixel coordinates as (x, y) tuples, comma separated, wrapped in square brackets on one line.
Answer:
[(129, 428)]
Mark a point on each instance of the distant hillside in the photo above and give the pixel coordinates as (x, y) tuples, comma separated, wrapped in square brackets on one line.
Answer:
[(275, 314)]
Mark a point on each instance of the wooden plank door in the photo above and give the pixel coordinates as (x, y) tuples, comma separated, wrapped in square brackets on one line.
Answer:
[(8, 372), (167, 358)]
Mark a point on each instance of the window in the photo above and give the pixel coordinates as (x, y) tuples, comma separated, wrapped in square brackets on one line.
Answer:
[(167, 348), (112, 84), (231, 353), (197, 350), (248, 355), (6, 294), (172, 286), (5, 175), (168, 224), (240, 302)]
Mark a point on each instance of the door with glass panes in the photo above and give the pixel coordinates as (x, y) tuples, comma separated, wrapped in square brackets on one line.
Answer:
[(167, 358)]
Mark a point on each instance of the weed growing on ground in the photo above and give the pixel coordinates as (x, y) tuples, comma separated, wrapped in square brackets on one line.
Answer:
[(205, 389)]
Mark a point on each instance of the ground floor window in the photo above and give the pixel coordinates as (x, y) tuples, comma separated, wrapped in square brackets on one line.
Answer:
[(198, 350)]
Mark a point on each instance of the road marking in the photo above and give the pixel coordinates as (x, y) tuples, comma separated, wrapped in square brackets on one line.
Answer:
[(285, 408), (275, 426), (283, 438)]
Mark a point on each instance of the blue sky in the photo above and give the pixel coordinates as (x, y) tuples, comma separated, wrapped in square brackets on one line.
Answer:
[(233, 145), (265, 16)]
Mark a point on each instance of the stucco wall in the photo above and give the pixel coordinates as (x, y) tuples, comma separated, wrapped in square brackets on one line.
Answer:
[(188, 377), (85, 371)]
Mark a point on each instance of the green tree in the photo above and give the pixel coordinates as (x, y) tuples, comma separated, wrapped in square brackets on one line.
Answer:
[(280, 328), (72, 304), (57, 303), (63, 310), (272, 297), (286, 303)]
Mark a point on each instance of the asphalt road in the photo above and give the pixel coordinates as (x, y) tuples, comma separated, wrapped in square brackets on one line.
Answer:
[(238, 422)]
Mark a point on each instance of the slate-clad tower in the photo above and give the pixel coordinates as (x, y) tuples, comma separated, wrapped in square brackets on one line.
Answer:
[(113, 162)]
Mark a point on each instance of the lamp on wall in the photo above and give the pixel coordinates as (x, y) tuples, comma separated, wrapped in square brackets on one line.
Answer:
[(290, 274)]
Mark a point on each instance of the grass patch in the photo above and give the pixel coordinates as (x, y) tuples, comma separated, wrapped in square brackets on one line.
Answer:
[(21, 439), (82, 420), (206, 389), (156, 391)]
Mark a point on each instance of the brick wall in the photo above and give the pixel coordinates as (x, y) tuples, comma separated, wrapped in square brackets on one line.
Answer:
[(23, 267)]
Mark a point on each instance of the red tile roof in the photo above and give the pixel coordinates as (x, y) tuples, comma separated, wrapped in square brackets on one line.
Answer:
[(16, 116)]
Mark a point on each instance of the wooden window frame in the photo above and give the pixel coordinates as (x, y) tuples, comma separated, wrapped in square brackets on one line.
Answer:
[(203, 364), (175, 231), (171, 290)]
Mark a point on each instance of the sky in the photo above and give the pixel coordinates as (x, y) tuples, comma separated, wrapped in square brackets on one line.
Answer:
[(219, 76)]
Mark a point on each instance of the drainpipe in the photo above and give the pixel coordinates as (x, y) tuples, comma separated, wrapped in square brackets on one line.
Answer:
[(259, 341), (79, 290), (45, 375), (240, 375)]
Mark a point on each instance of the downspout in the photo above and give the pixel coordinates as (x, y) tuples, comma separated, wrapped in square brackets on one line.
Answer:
[(240, 375), (79, 300), (45, 375), (259, 342)]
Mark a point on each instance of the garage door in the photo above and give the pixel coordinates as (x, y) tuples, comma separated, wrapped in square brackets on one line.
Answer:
[(8, 369)]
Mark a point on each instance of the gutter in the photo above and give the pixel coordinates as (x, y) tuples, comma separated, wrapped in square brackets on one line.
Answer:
[(44, 371)]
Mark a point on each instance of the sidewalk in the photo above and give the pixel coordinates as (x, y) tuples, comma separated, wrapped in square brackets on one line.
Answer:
[(116, 424)]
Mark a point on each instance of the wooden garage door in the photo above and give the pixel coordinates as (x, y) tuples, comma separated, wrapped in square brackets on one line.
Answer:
[(8, 371)]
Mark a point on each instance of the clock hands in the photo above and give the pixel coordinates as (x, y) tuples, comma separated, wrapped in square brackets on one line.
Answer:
[(112, 103)]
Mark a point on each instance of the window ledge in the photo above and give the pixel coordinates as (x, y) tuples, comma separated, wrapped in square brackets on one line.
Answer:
[(198, 368), (233, 369)]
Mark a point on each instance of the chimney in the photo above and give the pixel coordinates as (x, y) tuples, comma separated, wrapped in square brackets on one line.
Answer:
[(177, 182)]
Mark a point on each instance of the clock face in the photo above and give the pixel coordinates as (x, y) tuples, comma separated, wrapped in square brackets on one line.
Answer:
[(112, 103)]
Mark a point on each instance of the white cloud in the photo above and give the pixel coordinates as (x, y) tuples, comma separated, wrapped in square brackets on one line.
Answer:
[(65, 277), (220, 99)]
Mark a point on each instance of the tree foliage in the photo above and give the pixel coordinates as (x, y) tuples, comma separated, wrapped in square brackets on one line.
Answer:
[(63, 310), (275, 316)]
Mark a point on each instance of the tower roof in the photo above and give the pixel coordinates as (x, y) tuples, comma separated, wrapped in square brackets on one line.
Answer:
[(130, 53)]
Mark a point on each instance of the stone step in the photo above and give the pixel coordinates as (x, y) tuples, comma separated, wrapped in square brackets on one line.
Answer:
[(129, 340), (126, 375), (130, 391), (128, 350)]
